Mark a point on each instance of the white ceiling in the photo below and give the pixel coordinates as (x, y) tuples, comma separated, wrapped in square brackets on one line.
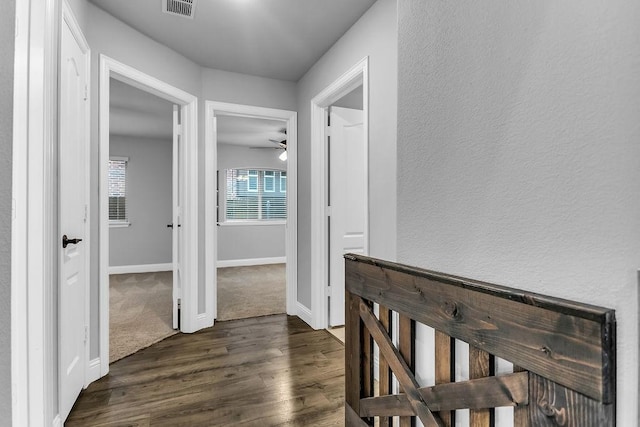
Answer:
[(136, 113), (280, 39), (250, 132)]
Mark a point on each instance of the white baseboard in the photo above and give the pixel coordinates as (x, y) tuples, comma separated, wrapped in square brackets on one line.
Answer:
[(144, 268), (204, 321), (252, 261), (93, 371), (57, 422), (304, 313)]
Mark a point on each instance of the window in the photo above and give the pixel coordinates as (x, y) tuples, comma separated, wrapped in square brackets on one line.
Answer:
[(283, 182), (118, 190), (269, 181), (253, 181), (252, 194)]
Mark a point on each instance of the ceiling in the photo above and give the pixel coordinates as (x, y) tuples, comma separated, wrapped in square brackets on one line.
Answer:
[(136, 113), (279, 39)]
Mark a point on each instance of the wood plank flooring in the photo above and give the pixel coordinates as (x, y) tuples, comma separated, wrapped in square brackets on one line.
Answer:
[(263, 371)]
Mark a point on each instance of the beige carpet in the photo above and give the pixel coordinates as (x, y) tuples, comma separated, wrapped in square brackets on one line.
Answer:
[(140, 311), (251, 291)]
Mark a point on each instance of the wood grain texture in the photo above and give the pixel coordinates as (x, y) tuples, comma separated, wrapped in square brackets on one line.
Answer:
[(553, 405), (384, 374), (399, 367), (445, 369), (406, 347), (570, 342), (480, 366), (265, 371), (490, 392), (353, 352)]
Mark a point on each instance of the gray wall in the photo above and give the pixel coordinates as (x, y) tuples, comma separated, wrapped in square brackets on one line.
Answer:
[(107, 35), (518, 148), (237, 242), (7, 40), (149, 202), (375, 35)]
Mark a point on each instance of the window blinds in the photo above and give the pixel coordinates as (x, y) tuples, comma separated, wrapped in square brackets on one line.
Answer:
[(118, 190), (255, 194)]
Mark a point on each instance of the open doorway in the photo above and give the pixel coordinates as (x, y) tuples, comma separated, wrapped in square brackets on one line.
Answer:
[(140, 211), (251, 209), (252, 216), (340, 180), (182, 190)]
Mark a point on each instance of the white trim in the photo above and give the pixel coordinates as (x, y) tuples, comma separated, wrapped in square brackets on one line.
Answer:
[(143, 268), (251, 223), (34, 242), (304, 313), (110, 68), (212, 109), (93, 371), (319, 254), (57, 422), (250, 261), (203, 321)]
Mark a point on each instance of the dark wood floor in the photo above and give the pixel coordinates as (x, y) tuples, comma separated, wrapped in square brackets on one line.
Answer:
[(264, 371)]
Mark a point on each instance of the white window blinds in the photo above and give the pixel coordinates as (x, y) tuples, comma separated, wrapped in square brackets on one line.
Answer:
[(118, 190), (251, 194)]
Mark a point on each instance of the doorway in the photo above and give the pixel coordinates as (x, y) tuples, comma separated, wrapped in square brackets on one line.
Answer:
[(339, 219), (141, 202), (259, 169), (184, 151)]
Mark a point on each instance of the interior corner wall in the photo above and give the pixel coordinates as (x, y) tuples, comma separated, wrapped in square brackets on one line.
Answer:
[(149, 186), (374, 35), (518, 152), (7, 47)]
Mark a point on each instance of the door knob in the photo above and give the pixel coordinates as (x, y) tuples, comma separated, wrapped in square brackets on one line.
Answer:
[(66, 241), (171, 225)]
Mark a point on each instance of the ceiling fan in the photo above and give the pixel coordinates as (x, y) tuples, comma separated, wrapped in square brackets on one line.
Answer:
[(281, 144)]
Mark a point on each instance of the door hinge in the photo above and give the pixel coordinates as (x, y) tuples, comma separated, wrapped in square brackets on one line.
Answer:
[(86, 334), (86, 213), (328, 211), (178, 129), (86, 92)]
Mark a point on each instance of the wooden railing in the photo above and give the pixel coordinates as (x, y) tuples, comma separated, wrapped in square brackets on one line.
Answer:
[(563, 352)]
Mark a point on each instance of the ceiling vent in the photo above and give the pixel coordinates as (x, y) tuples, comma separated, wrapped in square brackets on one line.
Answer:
[(184, 8)]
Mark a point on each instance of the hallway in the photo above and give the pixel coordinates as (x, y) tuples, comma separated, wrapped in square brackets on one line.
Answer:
[(261, 371)]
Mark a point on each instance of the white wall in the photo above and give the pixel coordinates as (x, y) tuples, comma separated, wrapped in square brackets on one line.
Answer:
[(7, 46), (374, 35), (240, 242), (518, 147), (149, 202)]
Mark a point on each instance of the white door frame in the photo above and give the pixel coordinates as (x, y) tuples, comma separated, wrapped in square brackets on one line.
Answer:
[(358, 74), (110, 68), (213, 109), (34, 243)]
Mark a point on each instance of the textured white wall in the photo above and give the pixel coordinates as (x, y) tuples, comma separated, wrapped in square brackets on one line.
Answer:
[(374, 35), (518, 148)]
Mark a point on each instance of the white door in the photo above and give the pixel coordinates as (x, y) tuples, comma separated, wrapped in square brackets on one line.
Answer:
[(72, 219), (177, 215), (347, 199)]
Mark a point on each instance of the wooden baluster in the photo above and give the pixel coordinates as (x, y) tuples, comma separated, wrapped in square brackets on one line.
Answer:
[(367, 361), (352, 354), (384, 383), (445, 369), (406, 346), (481, 364)]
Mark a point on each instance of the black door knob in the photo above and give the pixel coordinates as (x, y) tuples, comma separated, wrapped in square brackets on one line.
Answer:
[(66, 241)]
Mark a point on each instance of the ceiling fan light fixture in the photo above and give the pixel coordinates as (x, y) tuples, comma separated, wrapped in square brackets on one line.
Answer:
[(283, 156)]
